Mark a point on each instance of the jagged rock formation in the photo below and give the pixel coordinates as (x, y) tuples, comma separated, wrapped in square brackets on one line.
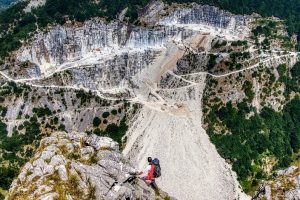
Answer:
[(286, 185), (113, 58), (78, 166), (127, 49)]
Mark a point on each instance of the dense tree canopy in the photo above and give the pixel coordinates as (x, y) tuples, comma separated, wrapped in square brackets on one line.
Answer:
[(271, 133), (249, 136), (13, 149)]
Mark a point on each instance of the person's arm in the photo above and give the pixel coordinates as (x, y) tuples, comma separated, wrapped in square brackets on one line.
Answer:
[(146, 171), (141, 172)]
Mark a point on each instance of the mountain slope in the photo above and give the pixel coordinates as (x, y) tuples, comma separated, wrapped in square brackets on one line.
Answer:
[(107, 62), (167, 80)]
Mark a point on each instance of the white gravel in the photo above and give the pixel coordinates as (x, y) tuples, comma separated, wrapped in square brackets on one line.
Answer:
[(191, 167)]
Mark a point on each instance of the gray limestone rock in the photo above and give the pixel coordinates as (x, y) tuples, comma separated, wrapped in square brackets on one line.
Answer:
[(93, 170), (293, 195), (287, 171)]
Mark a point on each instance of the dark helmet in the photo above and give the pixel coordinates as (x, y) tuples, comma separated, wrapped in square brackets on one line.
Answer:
[(149, 159)]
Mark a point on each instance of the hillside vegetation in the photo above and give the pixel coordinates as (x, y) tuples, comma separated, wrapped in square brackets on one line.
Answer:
[(257, 142)]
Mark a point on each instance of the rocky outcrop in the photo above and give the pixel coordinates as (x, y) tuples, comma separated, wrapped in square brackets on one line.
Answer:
[(95, 41), (78, 166), (206, 15), (34, 4), (286, 185)]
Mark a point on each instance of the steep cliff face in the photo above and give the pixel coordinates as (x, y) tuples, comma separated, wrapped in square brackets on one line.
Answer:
[(98, 42), (78, 166), (140, 64), (221, 20)]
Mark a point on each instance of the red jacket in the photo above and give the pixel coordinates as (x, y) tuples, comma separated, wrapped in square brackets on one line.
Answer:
[(150, 175)]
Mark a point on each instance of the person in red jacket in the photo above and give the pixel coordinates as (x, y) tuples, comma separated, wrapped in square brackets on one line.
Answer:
[(149, 173)]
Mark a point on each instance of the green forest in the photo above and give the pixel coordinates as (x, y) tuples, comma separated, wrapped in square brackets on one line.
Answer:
[(12, 149), (265, 134), (268, 133)]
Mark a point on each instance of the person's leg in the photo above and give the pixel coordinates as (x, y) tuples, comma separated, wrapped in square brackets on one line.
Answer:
[(148, 182), (153, 185), (155, 188)]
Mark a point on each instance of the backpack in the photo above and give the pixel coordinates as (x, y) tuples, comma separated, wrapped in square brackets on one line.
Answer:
[(157, 169)]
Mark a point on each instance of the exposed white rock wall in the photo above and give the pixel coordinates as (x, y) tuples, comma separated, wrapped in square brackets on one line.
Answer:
[(201, 17), (34, 4), (96, 41)]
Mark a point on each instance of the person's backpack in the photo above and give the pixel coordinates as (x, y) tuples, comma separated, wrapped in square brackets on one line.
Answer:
[(157, 169)]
